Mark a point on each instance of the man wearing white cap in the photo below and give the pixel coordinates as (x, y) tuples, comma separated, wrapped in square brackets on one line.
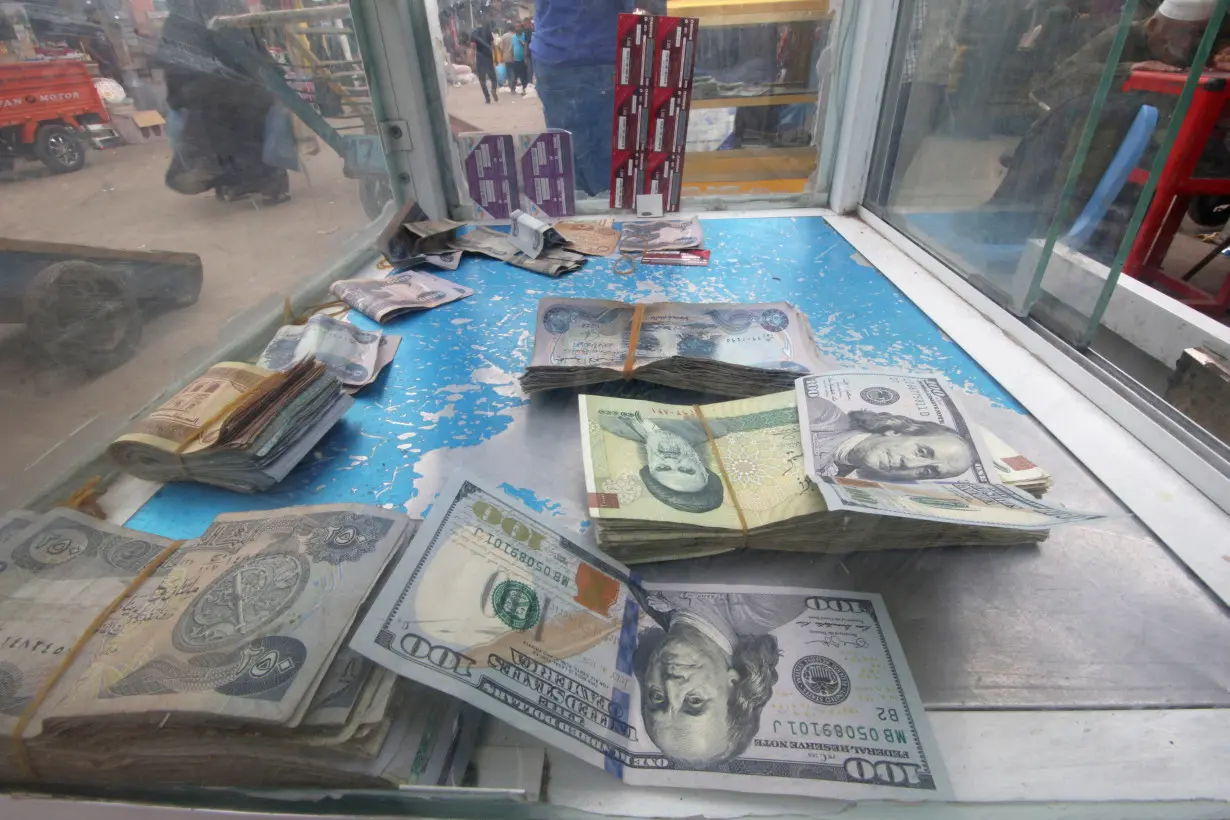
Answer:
[(1165, 41)]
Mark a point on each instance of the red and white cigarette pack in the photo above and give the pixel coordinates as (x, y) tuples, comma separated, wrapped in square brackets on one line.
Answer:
[(653, 93), (664, 175), (635, 49), (630, 129), (627, 178), (675, 52), (668, 119)]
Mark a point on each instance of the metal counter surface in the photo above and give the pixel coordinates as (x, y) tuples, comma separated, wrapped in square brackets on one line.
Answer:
[(1098, 616)]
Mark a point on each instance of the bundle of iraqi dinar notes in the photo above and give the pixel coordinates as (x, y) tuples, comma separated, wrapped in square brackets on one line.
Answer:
[(720, 348), (237, 426), (221, 660)]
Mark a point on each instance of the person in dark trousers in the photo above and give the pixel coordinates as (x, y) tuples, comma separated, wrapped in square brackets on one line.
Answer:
[(214, 86), (482, 42), (573, 50)]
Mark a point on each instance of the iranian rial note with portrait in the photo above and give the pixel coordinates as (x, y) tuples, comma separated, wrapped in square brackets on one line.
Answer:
[(893, 427), (749, 688)]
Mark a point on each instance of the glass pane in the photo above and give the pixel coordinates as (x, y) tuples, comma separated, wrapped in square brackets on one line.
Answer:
[(986, 105), (164, 185), (756, 108), (1043, 158)]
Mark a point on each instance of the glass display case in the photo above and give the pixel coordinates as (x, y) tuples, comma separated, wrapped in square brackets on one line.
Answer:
[(287, 525)]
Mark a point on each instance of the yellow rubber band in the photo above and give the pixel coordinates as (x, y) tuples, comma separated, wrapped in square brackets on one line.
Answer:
[(19, 743), (717, 457)]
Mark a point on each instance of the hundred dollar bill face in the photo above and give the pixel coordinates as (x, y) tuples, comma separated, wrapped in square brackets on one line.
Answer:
[(776, 690), (894, 427)]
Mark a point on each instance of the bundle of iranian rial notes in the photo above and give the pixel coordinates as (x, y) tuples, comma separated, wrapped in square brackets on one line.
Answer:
[(669, 481), (222, 661), (237, 426), (720, 348)]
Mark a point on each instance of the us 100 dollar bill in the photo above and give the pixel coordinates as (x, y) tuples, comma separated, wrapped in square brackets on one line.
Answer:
[(753, 688), (883, 426)]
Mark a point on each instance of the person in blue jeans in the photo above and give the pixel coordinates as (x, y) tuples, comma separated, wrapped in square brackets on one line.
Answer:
[(573, 49)]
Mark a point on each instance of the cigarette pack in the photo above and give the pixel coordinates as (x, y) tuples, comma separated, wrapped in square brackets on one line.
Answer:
[(630, 130), (675, 52), (634, 44), (491, 173), (548, 179), (627, 178), (668, 119), (664, 176)]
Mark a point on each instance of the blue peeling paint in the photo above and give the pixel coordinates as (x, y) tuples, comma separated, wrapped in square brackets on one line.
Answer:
[(452, 383), (527, 497)]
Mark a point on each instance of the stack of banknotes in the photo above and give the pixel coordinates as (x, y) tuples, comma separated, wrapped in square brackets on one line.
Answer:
[(399, 294), (771, 689), (236, 426), (352, 355), (854, 461), (725, 349), (412, 238), (552, 261), (1014, 468), (225, 665)]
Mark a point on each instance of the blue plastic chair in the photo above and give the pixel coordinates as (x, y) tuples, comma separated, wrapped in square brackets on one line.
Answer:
[(1116, 176), (952, 230)]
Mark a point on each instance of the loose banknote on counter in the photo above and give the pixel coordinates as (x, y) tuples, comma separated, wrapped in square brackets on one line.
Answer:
[(223, 663), (353, 355), (553, 261), (748, 688), (396, 295), (728, 349), (660, 235), (676, 481), (412, 238), (592, 237), (236, 426)]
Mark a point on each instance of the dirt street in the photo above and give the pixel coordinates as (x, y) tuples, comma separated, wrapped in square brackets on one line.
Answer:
[(510, 114), (118, 200), (250, 253)]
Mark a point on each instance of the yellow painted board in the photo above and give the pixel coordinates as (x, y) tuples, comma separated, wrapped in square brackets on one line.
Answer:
[(745, 102), (742, 12)]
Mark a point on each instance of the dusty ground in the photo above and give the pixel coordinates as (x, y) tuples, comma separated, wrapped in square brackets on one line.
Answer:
[(119, 200), (510, 114), (251, 253)]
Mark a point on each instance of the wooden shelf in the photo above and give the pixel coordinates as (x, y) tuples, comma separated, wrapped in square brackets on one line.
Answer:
[(766, 99), (746, 164), (749, 12)]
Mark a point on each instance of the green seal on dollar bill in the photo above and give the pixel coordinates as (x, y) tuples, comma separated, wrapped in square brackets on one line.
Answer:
[(516, 604)]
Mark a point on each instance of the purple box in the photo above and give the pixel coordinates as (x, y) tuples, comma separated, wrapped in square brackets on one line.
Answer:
[(547, 178), (491, 173)]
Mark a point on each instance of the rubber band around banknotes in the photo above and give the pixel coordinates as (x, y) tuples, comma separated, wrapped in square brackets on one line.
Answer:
[(717, 456), (27, 715), (634, 337)]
